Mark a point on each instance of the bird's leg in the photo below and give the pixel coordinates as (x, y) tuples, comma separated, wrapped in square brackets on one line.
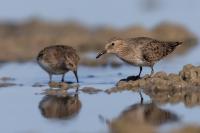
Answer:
[(152, 71), (135, 77), (63, 78), (76, 75), (140, 71), (50, 77), (141, 97), (77, 89)]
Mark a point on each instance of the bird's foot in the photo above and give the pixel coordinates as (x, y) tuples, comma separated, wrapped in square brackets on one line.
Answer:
[(123, 80), (131, 78)]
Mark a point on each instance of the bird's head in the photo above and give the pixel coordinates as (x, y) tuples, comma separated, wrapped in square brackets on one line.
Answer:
[(113, 47)]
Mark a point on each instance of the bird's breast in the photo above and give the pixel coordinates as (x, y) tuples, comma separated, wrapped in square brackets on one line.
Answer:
[(133, 59), (51, 67)]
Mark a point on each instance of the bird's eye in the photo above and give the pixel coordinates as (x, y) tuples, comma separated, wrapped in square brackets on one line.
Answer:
[(113, 44)]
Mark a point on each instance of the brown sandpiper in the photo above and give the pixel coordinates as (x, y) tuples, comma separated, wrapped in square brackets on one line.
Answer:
[(140, 51), (58, 60)]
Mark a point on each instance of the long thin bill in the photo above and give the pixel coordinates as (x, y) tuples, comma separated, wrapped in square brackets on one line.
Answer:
[(76, 75), (100, 54)]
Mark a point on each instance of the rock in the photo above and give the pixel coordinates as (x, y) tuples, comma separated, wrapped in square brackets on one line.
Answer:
[(7, 84), (190, 97), (190, 74), (123, 85), (187, 78), (63, 85), (112, 90), (90, 90), (37, 84), (56, 92), (160, 75), (174, 77), (4, 79)]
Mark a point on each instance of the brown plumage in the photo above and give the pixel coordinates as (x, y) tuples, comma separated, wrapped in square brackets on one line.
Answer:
[(58, 59), (60, 107), (147, 113), (140, 51)]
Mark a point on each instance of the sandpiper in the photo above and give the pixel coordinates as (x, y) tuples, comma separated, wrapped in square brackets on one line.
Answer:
[(58, 60), (140, 51)]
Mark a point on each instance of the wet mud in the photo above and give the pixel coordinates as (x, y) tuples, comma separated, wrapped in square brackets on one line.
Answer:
[(188, 78)]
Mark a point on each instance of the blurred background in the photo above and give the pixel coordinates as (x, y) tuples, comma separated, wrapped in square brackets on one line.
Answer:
[(27, 26)]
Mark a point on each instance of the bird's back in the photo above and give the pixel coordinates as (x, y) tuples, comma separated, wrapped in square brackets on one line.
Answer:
[(152, 50), (139, 41), (58, 57), (58, 52), (156, 50)]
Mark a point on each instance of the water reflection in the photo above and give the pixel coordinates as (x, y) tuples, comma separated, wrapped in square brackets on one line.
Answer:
[(190, 97), (61, 107), (141, 117)]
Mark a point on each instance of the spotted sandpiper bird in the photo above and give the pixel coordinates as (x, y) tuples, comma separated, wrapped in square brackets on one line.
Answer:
[(58, 60), (140, 51)]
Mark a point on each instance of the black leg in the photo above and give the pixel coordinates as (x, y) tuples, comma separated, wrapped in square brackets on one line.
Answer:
[(63, 78), (133, 77), (76, 75), (77, 89), (50, 77), (141, 97), (152, 71), (140, 71)]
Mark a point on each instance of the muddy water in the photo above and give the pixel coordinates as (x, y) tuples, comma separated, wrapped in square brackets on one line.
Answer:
[(24, 109)]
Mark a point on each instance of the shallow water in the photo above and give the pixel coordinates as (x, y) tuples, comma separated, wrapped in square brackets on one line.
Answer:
[(20, 104), (20, 112)]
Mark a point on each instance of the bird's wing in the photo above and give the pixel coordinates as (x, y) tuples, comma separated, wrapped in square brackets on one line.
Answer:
[(71, 58), (155, 50), (138, 40)]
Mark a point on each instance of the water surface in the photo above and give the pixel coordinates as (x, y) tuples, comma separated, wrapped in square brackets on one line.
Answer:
[(20, 112)]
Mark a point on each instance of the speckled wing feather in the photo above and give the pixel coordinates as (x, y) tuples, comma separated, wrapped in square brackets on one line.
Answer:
[(59, 56), (155, 50), (138, 40), (70, 56)]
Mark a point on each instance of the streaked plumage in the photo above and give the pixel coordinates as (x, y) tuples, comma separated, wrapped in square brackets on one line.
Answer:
[(58, 60), (140, 51), (60, 107)]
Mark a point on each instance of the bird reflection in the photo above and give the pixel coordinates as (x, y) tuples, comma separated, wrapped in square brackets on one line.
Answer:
[(52, 106), (189, 97), (141, 117), (150, 113)]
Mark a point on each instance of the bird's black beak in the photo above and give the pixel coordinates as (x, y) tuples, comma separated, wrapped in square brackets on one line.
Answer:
[(101, 53), (76, 75)]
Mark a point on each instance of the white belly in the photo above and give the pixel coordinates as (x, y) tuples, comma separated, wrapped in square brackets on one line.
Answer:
[(47, 67), (134, 61)]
